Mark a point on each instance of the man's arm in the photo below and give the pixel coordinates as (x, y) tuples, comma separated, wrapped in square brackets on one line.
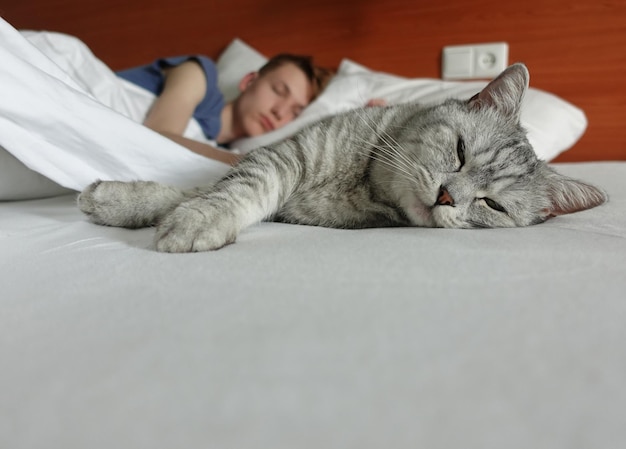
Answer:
[(185, 87), (204, 149)]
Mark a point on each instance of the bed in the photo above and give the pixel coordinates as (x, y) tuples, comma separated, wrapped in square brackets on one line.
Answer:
[(295, 336)]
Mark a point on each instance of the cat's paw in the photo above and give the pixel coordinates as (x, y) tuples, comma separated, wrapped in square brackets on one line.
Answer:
[(135, 204), (194, 226), (86, 201), (100, 202)]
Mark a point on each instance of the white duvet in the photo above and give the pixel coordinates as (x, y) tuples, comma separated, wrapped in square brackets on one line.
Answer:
[(58, 118)]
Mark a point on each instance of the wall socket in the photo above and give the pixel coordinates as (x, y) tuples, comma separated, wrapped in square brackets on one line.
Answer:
[(474, 61)]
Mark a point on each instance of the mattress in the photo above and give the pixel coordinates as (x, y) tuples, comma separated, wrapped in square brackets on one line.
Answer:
[(307, 337)]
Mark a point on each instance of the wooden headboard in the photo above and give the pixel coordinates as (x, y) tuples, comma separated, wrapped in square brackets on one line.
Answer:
[(573, 48)]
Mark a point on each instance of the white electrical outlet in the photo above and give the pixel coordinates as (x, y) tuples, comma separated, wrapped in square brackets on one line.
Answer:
[(474, 61)]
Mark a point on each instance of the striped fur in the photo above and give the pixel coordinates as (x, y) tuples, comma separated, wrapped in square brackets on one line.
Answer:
[(459, 164)]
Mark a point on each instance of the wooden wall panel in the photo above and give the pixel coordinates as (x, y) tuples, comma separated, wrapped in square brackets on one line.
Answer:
[(574, 48)]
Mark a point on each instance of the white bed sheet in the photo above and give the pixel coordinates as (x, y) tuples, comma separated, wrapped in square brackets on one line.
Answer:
[(305, 337)]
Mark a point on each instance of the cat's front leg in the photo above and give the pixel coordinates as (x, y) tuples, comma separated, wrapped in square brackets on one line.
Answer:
[(252, 191)]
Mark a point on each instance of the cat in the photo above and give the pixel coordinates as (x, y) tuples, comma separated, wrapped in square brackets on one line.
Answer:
[(457, 164)]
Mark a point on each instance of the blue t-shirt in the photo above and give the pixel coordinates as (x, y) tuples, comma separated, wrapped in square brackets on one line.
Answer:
[(208, 112)]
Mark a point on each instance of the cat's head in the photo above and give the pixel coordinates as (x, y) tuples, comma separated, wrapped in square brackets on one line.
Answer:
[(476, 168)]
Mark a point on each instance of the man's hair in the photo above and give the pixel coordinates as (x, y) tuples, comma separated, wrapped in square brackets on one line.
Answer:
[(317, 76)]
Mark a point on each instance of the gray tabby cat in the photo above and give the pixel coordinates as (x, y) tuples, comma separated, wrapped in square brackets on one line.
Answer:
[(459, 164)]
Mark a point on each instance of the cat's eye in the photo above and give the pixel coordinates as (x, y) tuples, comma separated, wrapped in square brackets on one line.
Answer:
[(460, 152), (495, 206)]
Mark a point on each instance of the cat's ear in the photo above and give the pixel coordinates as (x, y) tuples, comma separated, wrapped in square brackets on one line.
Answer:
[(568, 195), (505, 93)]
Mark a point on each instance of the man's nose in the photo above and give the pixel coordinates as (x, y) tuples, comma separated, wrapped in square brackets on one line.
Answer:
[(280, 111), (277, 114)]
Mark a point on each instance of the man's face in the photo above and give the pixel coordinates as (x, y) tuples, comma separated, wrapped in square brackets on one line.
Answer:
[(270, 101)]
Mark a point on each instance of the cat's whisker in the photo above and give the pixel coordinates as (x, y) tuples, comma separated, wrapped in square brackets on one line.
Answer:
[(383, 151), (394, 146), (391, 143), (382, 134), (402, 174), (391, 156), (411, 170), (390, 162)]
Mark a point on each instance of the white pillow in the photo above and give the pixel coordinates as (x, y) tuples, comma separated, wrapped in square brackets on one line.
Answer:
[(553, 124), (235, 62)]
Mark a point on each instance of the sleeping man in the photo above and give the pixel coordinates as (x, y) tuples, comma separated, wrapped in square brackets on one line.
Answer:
[(186, 88)]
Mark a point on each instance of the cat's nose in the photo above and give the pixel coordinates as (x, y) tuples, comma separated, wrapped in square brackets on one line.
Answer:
[(444, 198)]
